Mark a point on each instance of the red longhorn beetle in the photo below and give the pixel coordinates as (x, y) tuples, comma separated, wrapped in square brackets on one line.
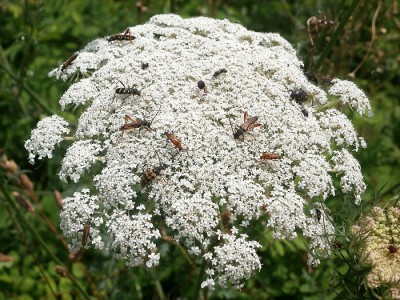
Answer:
[(248, 123), (85, 234), (126, 36), (174, 140), (131, 123), (151, 173), (68, 61), (269, 156)]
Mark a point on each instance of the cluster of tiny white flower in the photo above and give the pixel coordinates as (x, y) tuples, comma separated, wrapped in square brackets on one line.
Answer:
[(339, 128), (131, 237), (45, 136), (193, 118), (232, 262), (348, 93), (351, 180), (79, 157), (79, 210)]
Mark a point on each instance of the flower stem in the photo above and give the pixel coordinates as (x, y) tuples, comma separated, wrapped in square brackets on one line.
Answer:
[(182, 249), (172, 6), (28, 226), (328, 104), (196, 293), (6, 67), (159, 290), (336, 34), (69, 138)]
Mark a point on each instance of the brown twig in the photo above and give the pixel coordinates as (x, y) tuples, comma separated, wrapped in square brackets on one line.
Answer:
[(373, 36)]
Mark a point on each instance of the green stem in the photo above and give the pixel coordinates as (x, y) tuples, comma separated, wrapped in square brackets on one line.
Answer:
[(29, 248), (69, 138), (29, 227), (200, 280), (327, 105), (157, 283), (6, 67), (336, 34), (172, 6), (159, 290), (390, 190), (182, 249)]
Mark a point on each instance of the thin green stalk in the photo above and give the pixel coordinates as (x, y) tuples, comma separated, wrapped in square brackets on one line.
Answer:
[(181, 248), (6, 67), (69, 138), (30, 92), (32, 231), (157, 284), (29, 248), (199, 280), (172, 6), (327, 105), (27, 225), (159, 290), (336, 34)]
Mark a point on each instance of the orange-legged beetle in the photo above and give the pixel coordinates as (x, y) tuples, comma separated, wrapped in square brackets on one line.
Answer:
[(126, 36), (269, 156), (248, 123), (131, 123), (219, 72), (68, 62), (85, 234), (152, 173), (174, 140)]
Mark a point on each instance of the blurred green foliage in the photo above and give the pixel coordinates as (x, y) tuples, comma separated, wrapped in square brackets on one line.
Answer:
[(37, 36)]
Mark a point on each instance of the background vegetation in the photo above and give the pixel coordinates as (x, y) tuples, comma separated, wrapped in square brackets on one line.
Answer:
[(39, 35)]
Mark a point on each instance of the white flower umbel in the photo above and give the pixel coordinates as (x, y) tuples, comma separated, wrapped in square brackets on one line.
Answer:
[(79, 157), (348, 93), (45, 136), (192, 217), (80, 211), (339, 128), (232, 262), (200, 129), (349, 170), (131, 237)]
